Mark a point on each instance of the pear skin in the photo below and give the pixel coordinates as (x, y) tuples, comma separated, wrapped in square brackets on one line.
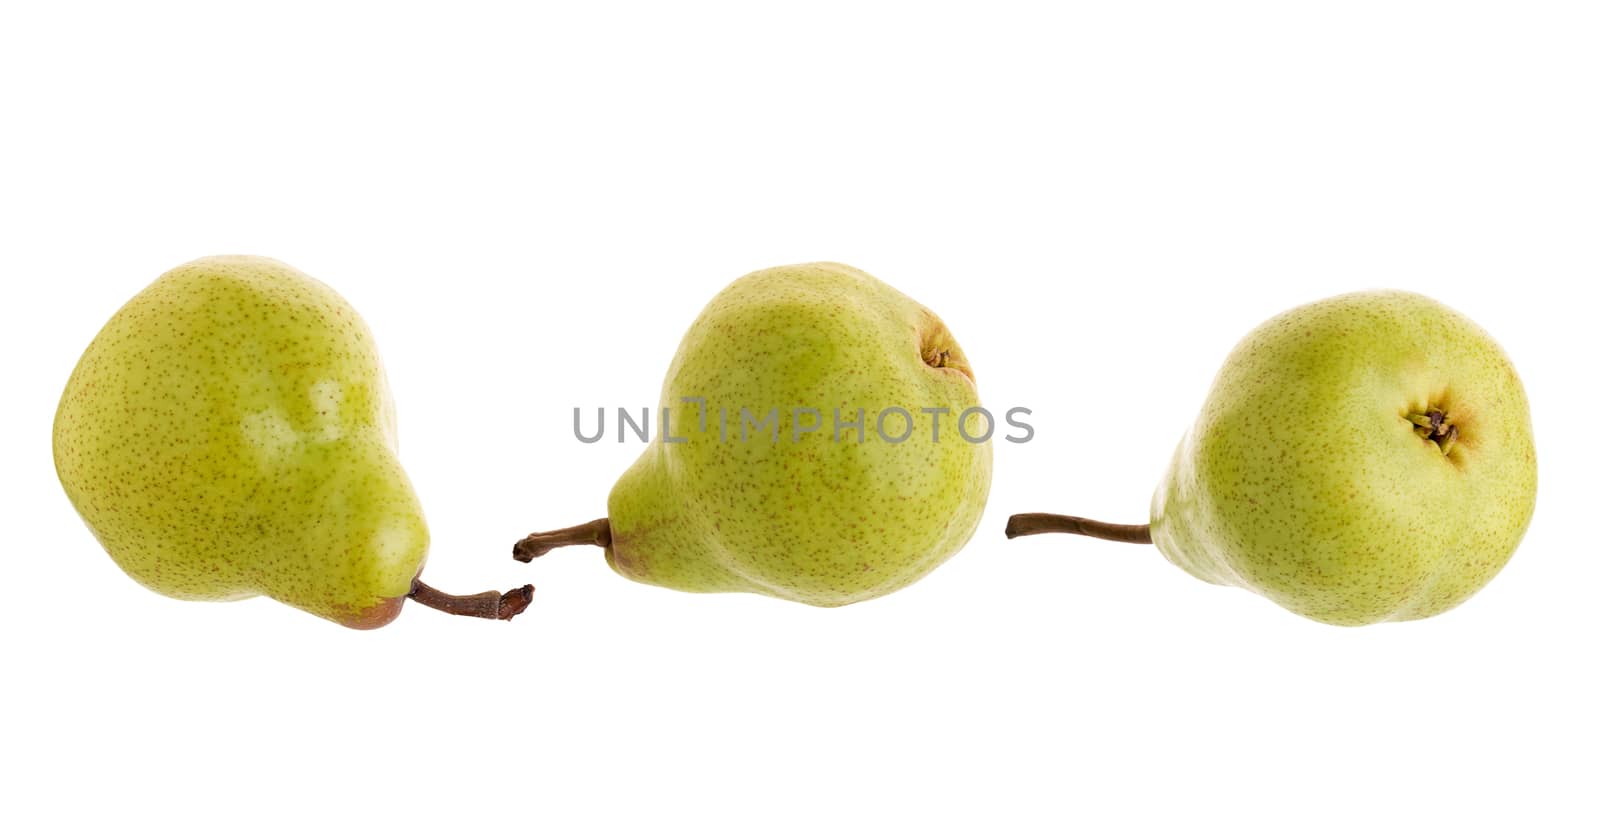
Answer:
[(804, 508), (229, 433), (1360, 459), (1305, 480)]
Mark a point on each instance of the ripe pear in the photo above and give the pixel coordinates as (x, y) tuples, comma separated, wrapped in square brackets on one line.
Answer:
[(1364, 458), (230, 433), (808, 509)]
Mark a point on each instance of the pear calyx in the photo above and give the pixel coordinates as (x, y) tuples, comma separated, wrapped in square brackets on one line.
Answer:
[(1436, 425), (491, 604), (1028, 524), (939, 349)]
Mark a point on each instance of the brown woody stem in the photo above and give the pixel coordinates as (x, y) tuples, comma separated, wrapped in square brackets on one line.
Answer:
[(1027, 524), (537, 544), (489, 604)]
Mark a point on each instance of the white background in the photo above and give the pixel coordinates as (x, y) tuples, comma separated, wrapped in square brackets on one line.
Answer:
[(529, 207)]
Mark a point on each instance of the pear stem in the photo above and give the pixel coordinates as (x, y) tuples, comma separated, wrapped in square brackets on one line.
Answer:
[(491, 604), (1027, 524), (597, 532)]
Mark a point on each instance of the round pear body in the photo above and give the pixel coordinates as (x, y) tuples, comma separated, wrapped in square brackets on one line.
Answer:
[(1364, 458), (764, 486), (229, 433)]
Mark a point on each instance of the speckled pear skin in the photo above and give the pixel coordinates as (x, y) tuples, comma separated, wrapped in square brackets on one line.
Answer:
[(230, 433), (815, 521), (1304, 481)]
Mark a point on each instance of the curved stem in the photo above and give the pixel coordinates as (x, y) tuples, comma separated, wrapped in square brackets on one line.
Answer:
[(1026, 524), (489, 604), (597, 532)]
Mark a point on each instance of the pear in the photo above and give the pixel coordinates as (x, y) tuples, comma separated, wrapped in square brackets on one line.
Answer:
[(780, 468), (1364, 458), (230, 433)]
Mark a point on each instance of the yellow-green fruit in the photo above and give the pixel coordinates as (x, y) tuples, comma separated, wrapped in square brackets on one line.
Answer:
[(230, 433), (810, 509), (1363, 458)]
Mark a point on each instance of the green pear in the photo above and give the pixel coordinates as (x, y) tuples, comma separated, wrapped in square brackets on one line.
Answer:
[(1364, 458), (761, 481), (230, 433)]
